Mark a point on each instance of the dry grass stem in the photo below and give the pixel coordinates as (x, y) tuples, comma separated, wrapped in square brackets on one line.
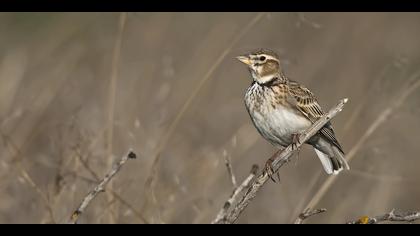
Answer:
[(112, 97)]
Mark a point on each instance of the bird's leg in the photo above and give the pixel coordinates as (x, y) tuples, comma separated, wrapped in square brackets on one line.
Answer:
[(295, 140), (297, 159), (269, 167)]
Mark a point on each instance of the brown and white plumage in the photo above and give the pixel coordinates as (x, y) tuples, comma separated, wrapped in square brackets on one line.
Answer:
[(281, 108)]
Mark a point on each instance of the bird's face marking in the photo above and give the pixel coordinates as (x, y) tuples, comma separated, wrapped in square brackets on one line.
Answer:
[(262, 66)]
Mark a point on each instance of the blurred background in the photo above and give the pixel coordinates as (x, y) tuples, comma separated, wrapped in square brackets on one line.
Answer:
[(78, 90)]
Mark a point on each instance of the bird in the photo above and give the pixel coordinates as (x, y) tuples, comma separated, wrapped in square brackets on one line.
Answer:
[(281, 109)]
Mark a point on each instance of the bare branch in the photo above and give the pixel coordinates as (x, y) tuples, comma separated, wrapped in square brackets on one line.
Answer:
[(392, 216), (116, 196), (100, 187), (308, 213), (221, 216), (279, 159)]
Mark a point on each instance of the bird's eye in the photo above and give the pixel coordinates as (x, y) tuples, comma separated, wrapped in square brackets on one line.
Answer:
[(262, 58)]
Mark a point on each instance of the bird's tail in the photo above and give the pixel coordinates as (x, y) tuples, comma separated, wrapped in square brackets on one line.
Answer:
[(333, 163)]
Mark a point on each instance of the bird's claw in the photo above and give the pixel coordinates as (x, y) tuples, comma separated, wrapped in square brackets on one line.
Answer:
[(270, 171), (295, 141)]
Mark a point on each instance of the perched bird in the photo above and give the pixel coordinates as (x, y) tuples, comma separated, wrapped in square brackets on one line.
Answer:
[(281, 109)]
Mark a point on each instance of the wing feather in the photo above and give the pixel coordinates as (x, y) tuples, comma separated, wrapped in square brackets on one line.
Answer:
[(308, 105)]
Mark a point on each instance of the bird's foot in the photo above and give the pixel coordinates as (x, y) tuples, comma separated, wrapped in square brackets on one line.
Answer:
[(269, 167), (295, 141)]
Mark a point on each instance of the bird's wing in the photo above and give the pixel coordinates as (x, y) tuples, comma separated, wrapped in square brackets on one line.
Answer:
[(306, 103)]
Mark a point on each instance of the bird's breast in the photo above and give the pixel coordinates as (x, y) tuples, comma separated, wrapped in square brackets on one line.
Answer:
[(274, 118)]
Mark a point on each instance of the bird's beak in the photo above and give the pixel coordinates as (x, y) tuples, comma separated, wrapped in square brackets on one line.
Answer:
[(244, 59)]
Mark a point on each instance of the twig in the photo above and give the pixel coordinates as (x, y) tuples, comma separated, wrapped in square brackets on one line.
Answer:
[(308, 213), (116, 196), (100, 187), (221, 216), (230, 169), (279, 159), (392, 216)]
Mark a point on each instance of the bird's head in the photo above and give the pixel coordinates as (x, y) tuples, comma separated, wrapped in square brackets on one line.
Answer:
[(264, 65)]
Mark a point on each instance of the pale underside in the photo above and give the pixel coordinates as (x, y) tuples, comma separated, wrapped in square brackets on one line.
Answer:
[(277, 124)]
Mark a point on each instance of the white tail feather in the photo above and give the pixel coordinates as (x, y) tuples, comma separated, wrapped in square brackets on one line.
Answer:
[(325, 161)]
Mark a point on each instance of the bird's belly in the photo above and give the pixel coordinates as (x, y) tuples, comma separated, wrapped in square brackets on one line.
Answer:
[(278, 124)]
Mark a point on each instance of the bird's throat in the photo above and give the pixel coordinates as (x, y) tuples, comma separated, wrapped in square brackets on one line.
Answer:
[(268, 80)]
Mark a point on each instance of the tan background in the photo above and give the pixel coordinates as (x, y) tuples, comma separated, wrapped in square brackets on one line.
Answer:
[(55, 70)]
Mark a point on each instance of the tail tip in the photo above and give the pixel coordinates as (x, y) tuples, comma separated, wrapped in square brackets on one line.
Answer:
[(336, 172)]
